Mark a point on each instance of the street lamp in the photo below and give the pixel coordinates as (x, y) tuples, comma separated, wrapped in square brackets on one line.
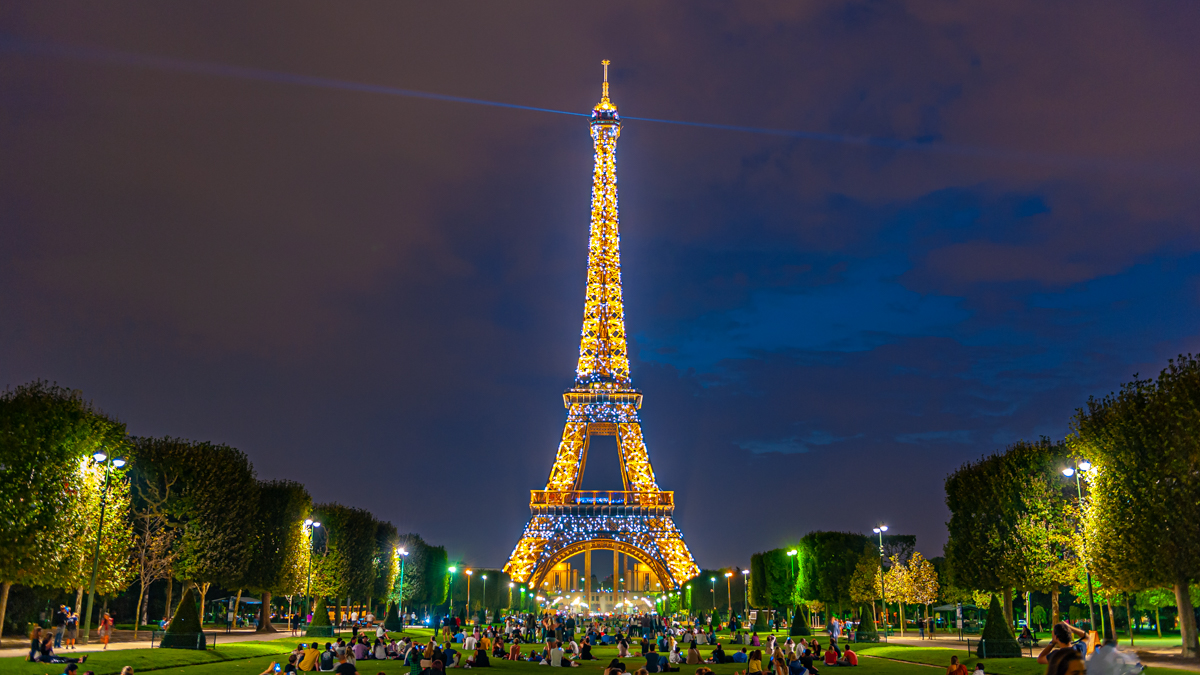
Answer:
[(100, 458), (469, 574), (452, 569), (400, 601), (1069, 472), (484, 603), (879, 531), (729, 594), (746, 591), (510, 587), (309, 524)]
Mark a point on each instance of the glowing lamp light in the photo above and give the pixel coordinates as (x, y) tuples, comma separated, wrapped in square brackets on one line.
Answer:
[(745, 571), (453, 569), (729, 574), (792, 553), (511, 585), (316, 523), (469, 572), (118, 462), (1068, 472), (308, 521), (883, 528), (401, 551), (1085, 466), (100, 456)]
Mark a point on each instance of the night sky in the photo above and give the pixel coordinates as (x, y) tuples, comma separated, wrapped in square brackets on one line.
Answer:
[(986, 213)]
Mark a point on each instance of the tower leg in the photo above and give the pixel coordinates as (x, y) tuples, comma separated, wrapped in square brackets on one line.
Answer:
[(587, 574)]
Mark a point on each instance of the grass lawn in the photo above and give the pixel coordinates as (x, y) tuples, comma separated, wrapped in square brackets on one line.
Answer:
[(251, 658)]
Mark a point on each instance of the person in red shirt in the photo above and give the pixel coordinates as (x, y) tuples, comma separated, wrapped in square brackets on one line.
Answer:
[(830, 657), (849, 658)]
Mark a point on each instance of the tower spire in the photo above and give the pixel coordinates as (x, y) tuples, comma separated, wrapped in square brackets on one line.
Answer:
[(605, 63)]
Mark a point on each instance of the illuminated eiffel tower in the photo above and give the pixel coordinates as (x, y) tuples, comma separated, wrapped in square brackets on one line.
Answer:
[(637, 520)]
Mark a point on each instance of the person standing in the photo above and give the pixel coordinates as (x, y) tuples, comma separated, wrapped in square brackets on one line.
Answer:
[(60, 625), (72, 629)]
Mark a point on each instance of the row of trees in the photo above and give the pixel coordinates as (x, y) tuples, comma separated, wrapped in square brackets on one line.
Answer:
[(179, 510), (1019, 523)]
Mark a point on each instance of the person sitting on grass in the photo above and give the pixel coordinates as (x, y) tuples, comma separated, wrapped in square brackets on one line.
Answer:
[(718, 655), (1060, 638), (956, 668), (795, 667), (48, 655), (291, 664), (849, 658), (514, 652), (741, 657), (754, 665), (831, 656), (480, 659), (815, 645), (585, 652), (653, 664), (806, 659), (308, 658), (345, 667), (614, 668), (978, 668), (693, 655)]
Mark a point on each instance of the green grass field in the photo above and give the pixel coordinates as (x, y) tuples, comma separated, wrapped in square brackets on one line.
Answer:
[(251, 658)]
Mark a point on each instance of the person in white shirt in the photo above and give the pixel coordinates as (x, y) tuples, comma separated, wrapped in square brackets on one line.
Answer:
[(380, 632), (556, 654), (469, 643)]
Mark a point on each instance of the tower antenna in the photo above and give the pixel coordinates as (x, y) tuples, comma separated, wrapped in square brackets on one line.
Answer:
[(605, 64)]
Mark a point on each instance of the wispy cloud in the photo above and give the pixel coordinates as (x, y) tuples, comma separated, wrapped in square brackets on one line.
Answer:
[(794, 445)]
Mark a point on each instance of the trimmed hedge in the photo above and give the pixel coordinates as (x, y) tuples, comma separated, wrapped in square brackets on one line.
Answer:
[(998, 641), (185, 631)]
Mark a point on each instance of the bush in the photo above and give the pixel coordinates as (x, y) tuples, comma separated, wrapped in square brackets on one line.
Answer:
[(393, 621), (867, 632), (320, 626), (998, 641), (800, 623), (185, 631), (760, 622)]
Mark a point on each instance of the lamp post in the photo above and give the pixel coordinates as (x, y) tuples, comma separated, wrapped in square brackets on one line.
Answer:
[(469, 575), (452, 569), (713, 581), (1075, 471), (510, 587), (400, 600), (746, 592), (100, 458), (879, 531), (309, 524), (729, 596), (484, 602), (792, 567)]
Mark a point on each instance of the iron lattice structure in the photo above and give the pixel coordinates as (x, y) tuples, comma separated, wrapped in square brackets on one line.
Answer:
[(637, 520)]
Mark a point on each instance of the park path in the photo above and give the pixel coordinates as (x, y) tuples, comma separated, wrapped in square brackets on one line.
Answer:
[(123, 639), (1165, 657)]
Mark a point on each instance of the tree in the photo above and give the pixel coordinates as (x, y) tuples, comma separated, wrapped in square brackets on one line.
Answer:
[(212, 503), (898, 588), (827, 561), (1144, 494), (81, 522), (865, 582), (44, 431), (384, 564), (154, 530), (1007, 522), (346, 569), (922, 581), (278, 536), (770, 579), (1155, 599)]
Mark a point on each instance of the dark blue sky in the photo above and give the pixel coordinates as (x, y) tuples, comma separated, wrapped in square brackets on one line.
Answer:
[(381, 296)]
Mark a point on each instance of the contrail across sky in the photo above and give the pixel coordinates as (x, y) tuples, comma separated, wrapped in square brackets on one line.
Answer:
[(64, 51)]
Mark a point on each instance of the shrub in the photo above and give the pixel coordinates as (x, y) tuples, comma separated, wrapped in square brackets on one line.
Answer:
[(998, 641), (185, 631), (800, 623)]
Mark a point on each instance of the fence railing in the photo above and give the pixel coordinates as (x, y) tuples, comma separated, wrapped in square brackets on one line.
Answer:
[(998, 649)]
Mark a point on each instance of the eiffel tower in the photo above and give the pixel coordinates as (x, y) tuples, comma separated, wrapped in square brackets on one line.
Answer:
[(637, 520)]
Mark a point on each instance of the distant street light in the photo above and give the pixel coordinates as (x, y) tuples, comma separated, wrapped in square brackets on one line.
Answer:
[(309, 524), (452, 569), (99, 458), (400, 601), (880, 530), (1072, 472)]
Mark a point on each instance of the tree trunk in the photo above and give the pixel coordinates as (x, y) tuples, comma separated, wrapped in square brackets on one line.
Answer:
[(1157, 622), (1008, 606), (137, 615), (1054, 606), (237, 607), (1187, 620), (264, 617), (203, 588), (1029, 610), (4, 603), (1112, 620), (901, 616), (170, 592), (1129, 619)]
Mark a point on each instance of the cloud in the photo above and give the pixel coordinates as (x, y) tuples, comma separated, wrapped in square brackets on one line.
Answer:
[(959, 436), (794, 445)]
